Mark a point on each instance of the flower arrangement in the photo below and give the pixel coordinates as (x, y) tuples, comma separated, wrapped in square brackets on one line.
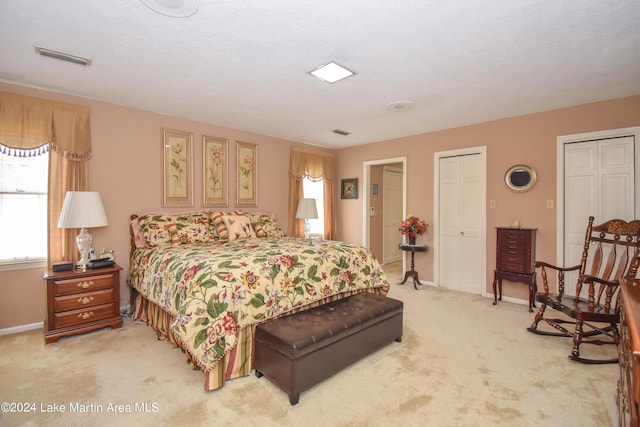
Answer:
[(412, 227)]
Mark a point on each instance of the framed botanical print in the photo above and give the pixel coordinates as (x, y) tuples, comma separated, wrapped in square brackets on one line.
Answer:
[(246, 174), (177, 168), (214, 171), (349, 188)]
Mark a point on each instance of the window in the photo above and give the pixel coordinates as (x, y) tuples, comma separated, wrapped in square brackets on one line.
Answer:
[(23, 208), (313, 188)]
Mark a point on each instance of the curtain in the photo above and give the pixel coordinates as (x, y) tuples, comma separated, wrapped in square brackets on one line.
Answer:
[(26, 124), (315, 164)]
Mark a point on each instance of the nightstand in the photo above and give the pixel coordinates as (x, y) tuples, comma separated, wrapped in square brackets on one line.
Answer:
[(82, 301)]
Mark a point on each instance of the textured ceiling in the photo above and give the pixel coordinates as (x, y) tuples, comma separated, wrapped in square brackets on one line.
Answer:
[(244, 64)]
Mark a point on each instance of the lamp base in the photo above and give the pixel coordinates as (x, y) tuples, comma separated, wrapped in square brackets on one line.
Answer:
[(307, 228), (84, 242)]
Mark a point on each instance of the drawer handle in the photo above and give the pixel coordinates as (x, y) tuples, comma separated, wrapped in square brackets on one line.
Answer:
[(85, 285), (85, 300), (85, 315)]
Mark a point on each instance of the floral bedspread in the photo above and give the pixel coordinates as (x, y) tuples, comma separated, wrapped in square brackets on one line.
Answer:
[(216, 289)]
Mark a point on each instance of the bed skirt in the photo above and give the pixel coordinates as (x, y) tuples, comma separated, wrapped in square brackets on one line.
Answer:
[(236, 363)]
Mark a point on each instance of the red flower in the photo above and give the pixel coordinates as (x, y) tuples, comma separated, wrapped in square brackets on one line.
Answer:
[(413, 226)]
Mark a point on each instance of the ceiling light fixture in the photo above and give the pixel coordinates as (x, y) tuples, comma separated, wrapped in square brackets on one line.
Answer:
[(331, 72), (173, 8), (400, 106), (43, 51)]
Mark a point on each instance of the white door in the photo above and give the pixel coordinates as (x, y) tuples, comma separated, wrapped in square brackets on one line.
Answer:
[(391, 213), (461, 222), (599, 181)]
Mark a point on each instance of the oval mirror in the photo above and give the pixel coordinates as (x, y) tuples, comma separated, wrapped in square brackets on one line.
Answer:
[(520, 178)]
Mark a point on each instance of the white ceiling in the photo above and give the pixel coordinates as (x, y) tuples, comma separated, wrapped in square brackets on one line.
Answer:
[(244, 63)]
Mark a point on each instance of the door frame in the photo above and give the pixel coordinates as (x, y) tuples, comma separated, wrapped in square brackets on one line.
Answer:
[(366, 196), (390, 169), (588, 136), (479, 150)]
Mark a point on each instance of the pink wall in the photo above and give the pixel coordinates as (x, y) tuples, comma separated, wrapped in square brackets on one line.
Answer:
[(127, 158), (529, 139), (126, 169)]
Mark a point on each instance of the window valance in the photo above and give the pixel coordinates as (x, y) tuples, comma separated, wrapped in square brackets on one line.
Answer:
[(27, 123), (314, 164)]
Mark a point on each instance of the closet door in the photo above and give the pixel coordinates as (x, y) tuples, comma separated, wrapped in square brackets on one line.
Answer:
[(599, 180), (461, 222)]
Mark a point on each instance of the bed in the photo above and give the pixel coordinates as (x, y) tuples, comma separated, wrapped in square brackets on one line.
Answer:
[(204, 280)]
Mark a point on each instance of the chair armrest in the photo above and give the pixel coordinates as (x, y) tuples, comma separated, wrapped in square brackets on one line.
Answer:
[(539, 264), (587, 278)]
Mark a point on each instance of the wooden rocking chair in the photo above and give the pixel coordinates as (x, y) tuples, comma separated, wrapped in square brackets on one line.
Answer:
[(611, 251)]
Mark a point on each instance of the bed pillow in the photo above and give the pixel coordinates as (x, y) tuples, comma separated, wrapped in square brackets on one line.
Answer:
[(265, 226), (138, 234), (238, 227), (154, 229), (193, 227)]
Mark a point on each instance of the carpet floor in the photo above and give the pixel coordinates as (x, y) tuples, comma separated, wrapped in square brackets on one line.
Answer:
[(462, 362)]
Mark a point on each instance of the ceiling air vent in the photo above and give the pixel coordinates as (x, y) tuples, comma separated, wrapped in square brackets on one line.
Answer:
[(61, 55), (341, 132)]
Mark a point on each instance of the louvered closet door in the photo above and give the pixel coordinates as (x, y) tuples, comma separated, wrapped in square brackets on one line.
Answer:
[(599, 181)]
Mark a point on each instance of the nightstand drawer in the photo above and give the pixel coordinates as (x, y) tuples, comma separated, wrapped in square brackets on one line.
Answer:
[(79, 301), (83, 284), (86, 315)]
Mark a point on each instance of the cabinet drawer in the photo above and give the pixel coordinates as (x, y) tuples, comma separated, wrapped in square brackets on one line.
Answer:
[(83, 284), (514, 268), (513, 258), (86, 315), (512, 234), (89, 299)]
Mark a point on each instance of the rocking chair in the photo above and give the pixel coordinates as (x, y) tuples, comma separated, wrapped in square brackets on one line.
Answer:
[(612, 251)]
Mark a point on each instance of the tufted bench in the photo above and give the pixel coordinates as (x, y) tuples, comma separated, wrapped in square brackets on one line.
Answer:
[(302, 349)]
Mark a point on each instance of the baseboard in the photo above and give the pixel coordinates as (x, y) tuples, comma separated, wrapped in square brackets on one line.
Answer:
[(21, 328)]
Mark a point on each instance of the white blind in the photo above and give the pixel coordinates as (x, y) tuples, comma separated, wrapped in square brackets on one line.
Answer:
[(23, 207)]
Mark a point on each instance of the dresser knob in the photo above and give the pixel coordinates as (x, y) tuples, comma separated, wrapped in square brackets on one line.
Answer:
[(85, 285), (85, 315), (85, 300), (462, 233)]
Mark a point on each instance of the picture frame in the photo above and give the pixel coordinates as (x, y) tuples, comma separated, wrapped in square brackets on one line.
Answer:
[(246, 174), (215, 171), (177, 168), (349, 188), (374, 189)]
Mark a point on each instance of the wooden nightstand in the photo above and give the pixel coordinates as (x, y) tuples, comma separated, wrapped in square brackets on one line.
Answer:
[(82, 301)]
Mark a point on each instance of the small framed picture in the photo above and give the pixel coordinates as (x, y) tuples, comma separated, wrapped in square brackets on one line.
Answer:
[(349, 188), (374, 189)]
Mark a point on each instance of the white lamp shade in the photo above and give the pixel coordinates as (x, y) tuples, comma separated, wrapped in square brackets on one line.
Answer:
[(307, 209), (82, 209)]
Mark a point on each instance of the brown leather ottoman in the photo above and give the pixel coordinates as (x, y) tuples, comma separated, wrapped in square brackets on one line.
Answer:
[(300, 350)]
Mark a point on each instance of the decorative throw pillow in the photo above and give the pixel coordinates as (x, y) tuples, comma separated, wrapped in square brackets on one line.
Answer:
[(219, 225), (238, 227), (177, 238)]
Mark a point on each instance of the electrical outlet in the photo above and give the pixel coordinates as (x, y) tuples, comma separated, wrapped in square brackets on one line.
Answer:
[(549, 204), (372, 212), (492, 204)]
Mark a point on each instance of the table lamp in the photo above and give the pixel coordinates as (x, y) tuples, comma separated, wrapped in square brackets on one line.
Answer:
[(82, 209), (307, 209)]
